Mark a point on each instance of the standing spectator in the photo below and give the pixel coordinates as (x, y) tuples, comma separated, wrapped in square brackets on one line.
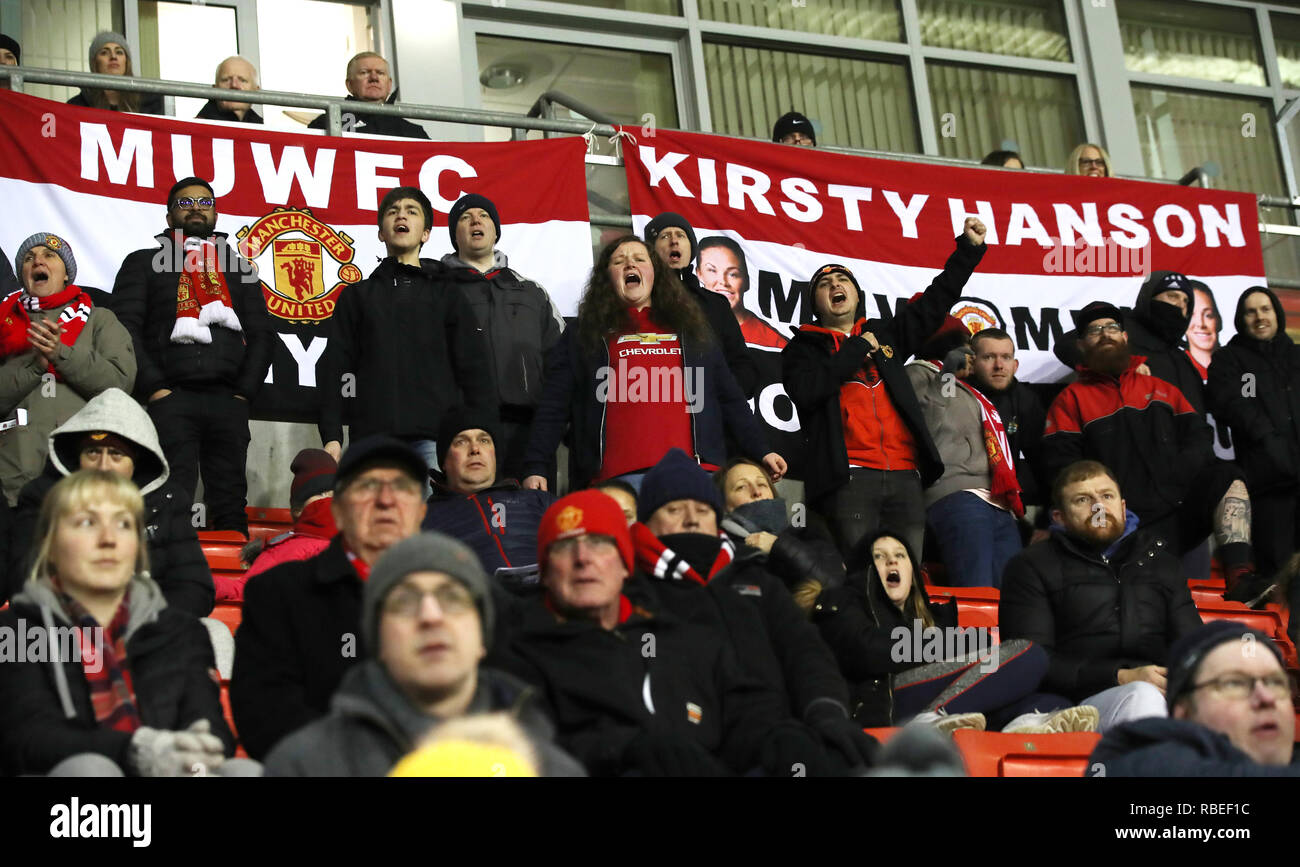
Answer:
[(1254, 388), (673, 241), (113, 433), (1158, 447), (1105, 599), (793, 128), (111, 55), (57, 350), (11, 54), (142, 701), (869, 453), (517, 318), (636, 325), (723, 270), (202, 336), (301, 629), (387, 705), (233, 73), (993, 372), (368, 80), (404, 346), (1090, 160), (1005, 159)]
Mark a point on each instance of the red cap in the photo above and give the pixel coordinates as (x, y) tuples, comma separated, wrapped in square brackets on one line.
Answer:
[(585, 512)]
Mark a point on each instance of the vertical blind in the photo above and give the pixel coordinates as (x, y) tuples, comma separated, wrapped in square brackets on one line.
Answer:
[(1193, 40), (854, 19), (57, 35), (1022, 28)]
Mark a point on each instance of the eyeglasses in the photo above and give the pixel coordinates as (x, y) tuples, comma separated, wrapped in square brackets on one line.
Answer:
[(407, 601), (187, 203), (1242, 686), (368, 489), (1092, 164), (1108, 328), (600, 544)]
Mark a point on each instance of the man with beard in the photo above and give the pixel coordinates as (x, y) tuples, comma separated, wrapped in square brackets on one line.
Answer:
[(1158, 447), (1104, 599)]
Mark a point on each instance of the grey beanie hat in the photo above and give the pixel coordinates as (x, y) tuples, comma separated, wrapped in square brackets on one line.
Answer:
[(55, 243), (103, 38), (424, 552)]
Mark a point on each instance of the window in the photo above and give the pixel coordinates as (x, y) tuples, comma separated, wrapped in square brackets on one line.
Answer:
[(1023, 28), (852, 103), (976, 109), (853, 19), (1192, 40), (657, 7), (182, 41), (305, 46), (1286, 37), (67, 45)]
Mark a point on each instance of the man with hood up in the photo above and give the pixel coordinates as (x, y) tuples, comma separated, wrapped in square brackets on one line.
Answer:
[(113, 432)]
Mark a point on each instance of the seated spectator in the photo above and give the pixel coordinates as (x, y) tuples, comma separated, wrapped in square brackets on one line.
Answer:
[(604, 693), (519, 321), (1230, 713), (111, 55), (972, 509), (640, 373), (311, 500), (1158, 448), (233, 73), (426, 591), (678, 543), (57, 350), (368, 80), (1105, 599), (140, 699), (723, 270), (673, 241), (1005, 159), (302, 620), (112, 433), (869, 452), (1090, 160), (11, 54), (623, 494), (882, 617), (804, 558), (793, 128), (495, 517)]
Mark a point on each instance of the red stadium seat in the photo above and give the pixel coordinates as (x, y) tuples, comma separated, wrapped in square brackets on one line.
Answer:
[(994, 754), (883, 734), (230, 720), (263, 522), (229, 613), (1267, 621), (976, 606), (224, 558), (226, 537)]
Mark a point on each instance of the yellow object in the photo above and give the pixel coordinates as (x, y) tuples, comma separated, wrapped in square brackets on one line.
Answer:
[(459, 758)]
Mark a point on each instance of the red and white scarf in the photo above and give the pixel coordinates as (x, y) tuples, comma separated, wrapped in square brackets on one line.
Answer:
[(202, 296), (659, 561), (1005, 486), (16, 317)]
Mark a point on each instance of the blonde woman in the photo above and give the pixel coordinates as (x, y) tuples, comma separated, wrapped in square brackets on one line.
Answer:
[(123, 683), (1090, 160)]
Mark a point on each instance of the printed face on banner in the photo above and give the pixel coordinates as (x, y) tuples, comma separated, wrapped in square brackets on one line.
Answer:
[(1203, 331)]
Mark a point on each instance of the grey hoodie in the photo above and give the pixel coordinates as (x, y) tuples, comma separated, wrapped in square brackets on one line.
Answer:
[(115, 411)]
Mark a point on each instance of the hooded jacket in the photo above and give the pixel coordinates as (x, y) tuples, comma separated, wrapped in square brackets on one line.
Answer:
[(956, 425), (309, 536), (372, 124), (1096, 613), (103, 357), (415, 348), (816, 364), (499, 523), (176, 559), (520, 323), (371, 725), (45, 709), (1160, 747), (1254, 388), (144, 298), (857, 621)]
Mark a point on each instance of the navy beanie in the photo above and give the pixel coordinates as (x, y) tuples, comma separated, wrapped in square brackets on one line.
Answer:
[(1188, 652), (463, 204), (663, 221), (676, 477)]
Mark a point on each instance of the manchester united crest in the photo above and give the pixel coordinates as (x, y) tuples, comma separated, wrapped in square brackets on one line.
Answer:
[(303, 263)]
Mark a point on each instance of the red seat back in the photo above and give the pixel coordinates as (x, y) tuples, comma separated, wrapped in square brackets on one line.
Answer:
[(229, 613), (994, 754), (976, 606)]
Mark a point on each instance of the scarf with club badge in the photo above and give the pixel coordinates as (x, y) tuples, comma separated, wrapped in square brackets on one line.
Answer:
[(16, 317), (202, 295)]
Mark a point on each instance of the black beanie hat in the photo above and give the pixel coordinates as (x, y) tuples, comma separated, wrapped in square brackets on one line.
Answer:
[(1095, 310), (463, 204), (396, 194), (313, 473), (663, 221), (7, 41), (793, 121), (1188, 652), (460, 419), (676, 477), (834, 268)]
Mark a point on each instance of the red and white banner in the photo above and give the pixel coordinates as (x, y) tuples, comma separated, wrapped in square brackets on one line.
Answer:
[(100, 180)]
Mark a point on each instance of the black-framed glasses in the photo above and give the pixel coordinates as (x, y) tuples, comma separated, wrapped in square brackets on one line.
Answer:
[(1242, 686), (407, 601), (1108, 328), (188, 204)]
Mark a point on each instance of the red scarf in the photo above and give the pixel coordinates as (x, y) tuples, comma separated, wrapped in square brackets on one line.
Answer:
[(361, 566), (1005, 486), (659, 561), (111, 695), (16, 318), (202, 295)]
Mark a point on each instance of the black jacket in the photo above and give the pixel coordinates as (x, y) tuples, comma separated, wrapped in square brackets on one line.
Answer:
[(499, 523), (1254, 388), (150, 103), (9, 281), (1095, 615), (374, 124), (799, 554), (212, 111), (1160, 747), (300, 632), (1023, 417), (1155, 329), (813, 375), (725, 327), (144, 299), (416, 349), (45, 709)]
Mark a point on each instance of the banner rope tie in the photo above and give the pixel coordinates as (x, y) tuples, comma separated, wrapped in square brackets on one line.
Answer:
[(617, 141)]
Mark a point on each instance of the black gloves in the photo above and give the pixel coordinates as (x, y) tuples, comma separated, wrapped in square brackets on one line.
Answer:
[(845, 737), (655, 755)]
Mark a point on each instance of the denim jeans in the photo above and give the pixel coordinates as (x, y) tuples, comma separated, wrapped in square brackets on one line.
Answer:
[(976, 539)]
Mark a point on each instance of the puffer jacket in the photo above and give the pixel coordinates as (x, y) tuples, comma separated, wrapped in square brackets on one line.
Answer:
[(102, 357), (799, 554), (309, 536), (176, 559), (498, 523), (372, 724), (45, 709), (1095, 614)]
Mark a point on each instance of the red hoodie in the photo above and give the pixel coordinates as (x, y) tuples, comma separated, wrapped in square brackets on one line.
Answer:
[(310, 535)]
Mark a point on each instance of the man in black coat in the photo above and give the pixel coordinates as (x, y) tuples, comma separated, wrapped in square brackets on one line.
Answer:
[(233, 73), (869, 474), (203, 341), (1106, 601), (368, 80), (302, 621)]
